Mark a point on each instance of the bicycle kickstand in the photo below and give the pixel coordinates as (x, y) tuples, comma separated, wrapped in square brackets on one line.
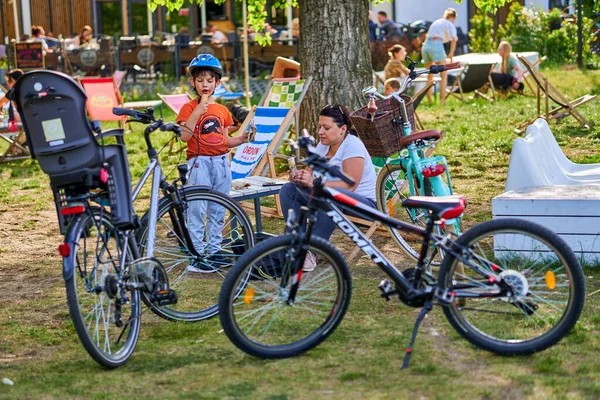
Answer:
[(426, 308)]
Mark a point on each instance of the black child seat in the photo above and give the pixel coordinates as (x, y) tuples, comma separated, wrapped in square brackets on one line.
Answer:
[(59, 134)]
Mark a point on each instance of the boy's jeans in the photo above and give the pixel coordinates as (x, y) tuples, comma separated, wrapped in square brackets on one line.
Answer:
[(213, 172)]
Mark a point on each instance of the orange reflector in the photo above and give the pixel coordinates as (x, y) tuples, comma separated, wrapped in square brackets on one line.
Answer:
[(550, 280), (249, 295), (390, 206)]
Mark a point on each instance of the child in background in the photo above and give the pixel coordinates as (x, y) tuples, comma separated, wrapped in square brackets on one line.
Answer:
[(204, 128), (391, 85), (511, 74)]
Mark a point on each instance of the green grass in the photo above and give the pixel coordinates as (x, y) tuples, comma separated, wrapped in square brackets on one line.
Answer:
[(40, 352)]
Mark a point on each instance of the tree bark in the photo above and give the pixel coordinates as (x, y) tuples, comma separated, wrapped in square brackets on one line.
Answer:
[(334, 50)]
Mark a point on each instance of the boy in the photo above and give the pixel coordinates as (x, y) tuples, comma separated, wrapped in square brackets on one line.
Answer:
[(391, 85), (204, 128)]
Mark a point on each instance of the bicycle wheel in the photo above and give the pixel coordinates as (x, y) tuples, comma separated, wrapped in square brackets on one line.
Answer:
[(545, 292), (107, 323), (219, 236), (392, 190), (255, 314)]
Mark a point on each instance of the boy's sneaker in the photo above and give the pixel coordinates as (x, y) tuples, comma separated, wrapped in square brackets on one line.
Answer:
[(201, 267), (310, 262), (219, 260)]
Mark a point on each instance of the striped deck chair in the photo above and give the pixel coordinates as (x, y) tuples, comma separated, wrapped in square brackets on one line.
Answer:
[(271, 124)]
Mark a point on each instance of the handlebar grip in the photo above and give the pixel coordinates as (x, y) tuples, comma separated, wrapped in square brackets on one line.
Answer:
[(454, 65), (337, 172), (171, 127), (125, 111)]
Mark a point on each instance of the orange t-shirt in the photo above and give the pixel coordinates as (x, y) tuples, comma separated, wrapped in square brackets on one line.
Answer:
[(210, 132)]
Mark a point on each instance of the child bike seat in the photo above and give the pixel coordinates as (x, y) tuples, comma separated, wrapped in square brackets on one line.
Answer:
[(53, 112)]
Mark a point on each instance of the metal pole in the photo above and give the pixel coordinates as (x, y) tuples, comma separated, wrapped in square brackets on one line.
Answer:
[(150, 21), (16, 17), (246, 62), (579, 35)]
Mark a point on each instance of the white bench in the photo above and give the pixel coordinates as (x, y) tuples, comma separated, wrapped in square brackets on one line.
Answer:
[(573, 212), (537, 160)]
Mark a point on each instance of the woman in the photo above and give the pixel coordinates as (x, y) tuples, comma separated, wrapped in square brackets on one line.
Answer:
[(433, 52), (511, 74), (395, 67), (85, 36), (340, 145)]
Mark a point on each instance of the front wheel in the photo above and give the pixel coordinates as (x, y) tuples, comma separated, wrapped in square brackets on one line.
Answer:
[(534, 297), (197, 241), (107, 321), (258, 314)]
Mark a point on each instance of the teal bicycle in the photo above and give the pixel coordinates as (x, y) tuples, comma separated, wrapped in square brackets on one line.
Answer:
[(411, 173)]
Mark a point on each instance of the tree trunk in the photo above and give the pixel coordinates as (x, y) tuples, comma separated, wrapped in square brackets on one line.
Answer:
[(334, 50)]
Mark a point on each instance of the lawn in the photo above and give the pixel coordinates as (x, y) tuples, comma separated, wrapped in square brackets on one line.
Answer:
[(40, 352)]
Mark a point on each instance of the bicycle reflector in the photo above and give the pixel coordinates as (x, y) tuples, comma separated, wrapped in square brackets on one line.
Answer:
[(72, 209), (433, 170), (64, 249), (103, 175)]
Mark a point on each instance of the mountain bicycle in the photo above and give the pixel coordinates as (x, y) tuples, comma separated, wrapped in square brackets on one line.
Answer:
[(412, 174), (112, 260), (508, 286)]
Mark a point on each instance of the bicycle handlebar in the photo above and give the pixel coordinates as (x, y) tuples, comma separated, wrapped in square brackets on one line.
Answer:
[(139, 116), (171, 127), (318, 163)]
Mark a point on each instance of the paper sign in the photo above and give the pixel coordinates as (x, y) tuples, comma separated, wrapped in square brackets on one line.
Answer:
[(53, 129)]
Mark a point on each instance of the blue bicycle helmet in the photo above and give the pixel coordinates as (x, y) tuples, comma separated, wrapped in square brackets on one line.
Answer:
[(207, 61)]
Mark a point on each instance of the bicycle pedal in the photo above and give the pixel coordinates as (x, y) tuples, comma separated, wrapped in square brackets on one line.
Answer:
[(165, 297), (387, 290)]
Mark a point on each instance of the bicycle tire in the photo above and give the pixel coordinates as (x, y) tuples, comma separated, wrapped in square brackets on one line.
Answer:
[(198, 292), (391, 204), (100, 244), (510, 244), (312, 317)]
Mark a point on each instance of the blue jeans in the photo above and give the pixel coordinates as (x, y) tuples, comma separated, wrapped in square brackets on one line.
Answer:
[(213, 172), (294, 197), (433, 51)]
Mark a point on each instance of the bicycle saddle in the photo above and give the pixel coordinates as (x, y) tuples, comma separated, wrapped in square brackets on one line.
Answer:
[(447, 207), (423, 135)]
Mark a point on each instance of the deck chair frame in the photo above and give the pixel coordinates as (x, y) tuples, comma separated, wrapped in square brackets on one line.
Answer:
[(261, 186), (13, 140), (416, 99), (456, 89), (549, 92)]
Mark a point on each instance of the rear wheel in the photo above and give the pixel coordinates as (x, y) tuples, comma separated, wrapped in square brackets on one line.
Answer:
[(105, 314), (258, 316), (209, 224), (537, 294)]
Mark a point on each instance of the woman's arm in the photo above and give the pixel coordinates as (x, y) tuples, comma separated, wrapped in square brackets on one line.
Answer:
[(353, 167)]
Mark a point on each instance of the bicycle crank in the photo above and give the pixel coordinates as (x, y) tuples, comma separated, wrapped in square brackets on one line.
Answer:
[(149, 275)]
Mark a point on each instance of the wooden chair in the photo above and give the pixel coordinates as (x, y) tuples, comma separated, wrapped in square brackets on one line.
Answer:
[(17, 144), (565, 107), (473, 78)]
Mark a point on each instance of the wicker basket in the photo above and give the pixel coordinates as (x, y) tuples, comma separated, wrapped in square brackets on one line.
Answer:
[(382, 135)]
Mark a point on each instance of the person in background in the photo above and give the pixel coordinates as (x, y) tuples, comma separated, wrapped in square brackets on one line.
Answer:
[(338, 143), (395, 67), (296, 27), (391, 85), (511, 73), (9, 110), (417, 42), (85, 36), (433, 52), (372, 28), (218, 37), (389, 30), (38, 33)]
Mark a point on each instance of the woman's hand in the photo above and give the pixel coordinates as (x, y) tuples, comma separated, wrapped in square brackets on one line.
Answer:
[(303, 178)]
